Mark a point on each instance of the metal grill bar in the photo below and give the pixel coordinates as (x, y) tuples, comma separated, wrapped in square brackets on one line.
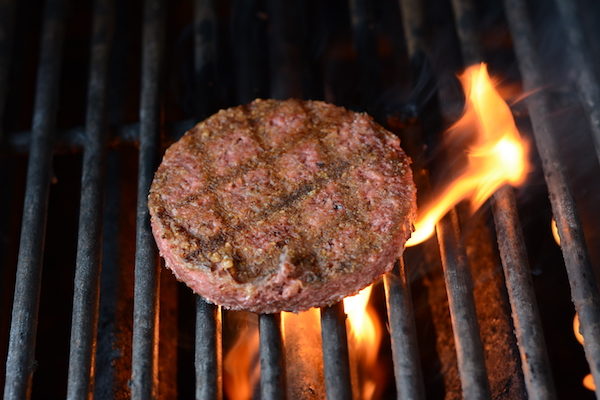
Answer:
[(208, 326), (587, 81), (249, 80), (272, 373), (205, 49), (19, 362), (146, 276), (584, 288), (459, 287), (208, 346), (465, 17), (364, 43), (89, 247), (335, 353), (286, 48), (403, 333), (74, 138), (526, 319), (457, 275), (7, 24)]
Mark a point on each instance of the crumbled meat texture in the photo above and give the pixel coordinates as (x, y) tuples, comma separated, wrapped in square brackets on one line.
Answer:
[(282, 205)]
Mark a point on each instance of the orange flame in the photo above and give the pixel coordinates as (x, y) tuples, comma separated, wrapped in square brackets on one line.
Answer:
[(588, 380), (555, 231), (241, 367), (364, 341), (498, 154)]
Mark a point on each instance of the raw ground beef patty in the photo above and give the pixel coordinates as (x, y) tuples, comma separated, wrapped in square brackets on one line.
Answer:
[(282, 205)]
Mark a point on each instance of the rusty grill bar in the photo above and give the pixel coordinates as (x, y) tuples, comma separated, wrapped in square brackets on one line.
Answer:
[(285, 82)]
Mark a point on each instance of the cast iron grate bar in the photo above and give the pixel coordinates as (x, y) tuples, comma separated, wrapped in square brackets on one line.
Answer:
[(208, 345), (146, 277), (584, 288), (369, 80), (287, 54), (272, 371), (580, 59), (205, 57), (20, 362), (525, 313), (526, 319), (335, 352), (403, 334), (208, 327), (74, 138), (250, 82), (89, 247), (459, 287)]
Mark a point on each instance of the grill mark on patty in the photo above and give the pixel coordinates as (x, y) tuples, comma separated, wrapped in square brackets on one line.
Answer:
[(311, 132), (198, 247), (286, 203)]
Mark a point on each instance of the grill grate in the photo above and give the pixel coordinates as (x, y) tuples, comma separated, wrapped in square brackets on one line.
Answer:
[(285, 81)]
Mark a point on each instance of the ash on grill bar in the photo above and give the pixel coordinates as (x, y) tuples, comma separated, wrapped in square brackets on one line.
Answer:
[(92, 93)]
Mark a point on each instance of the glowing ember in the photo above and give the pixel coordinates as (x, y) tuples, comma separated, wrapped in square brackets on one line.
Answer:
[(241, 367), (588, 381), (497, 156), (364, 341), (555, 231)]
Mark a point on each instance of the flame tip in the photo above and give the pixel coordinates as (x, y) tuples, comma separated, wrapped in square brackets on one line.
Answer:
[(497, 156)]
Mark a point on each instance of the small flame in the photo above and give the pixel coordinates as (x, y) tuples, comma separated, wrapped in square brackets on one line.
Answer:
[(364, 341), (241, 367), (498, 154), (555, 231), (588, 380)]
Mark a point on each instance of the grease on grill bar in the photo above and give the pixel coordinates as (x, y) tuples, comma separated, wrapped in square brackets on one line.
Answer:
[(273, 51)]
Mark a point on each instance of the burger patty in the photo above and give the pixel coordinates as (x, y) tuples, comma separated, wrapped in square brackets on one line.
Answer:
[(282, 205)]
